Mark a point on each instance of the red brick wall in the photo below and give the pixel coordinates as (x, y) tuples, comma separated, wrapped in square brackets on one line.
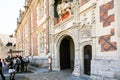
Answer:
[(83, 2), (105, 40), (29, 43), (34, 36), (34, 19), (106, 44), (35, 47), (104, 17)]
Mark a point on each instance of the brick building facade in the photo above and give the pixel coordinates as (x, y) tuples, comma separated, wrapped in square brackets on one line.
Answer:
[(79, 34)]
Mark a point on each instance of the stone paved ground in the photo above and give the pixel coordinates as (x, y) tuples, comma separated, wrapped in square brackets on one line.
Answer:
[(17, 77), (44, 74), (62, 75)]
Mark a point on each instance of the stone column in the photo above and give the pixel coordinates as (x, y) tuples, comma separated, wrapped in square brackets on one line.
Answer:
[(93, 31), (76, 24), (117, 19), (77, 65), (51, 31), (56, 61)]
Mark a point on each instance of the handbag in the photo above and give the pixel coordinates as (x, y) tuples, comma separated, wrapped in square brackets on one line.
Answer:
[(11, 70)]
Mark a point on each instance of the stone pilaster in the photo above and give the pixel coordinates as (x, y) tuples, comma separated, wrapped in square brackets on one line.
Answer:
[(76, 8), (51, 37), (117, 19), (77, 71), (93, 31), (77, 63), (117, 11)]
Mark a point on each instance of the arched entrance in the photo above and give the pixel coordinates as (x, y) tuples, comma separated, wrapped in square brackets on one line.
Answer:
[(66, 53), (87, 59)]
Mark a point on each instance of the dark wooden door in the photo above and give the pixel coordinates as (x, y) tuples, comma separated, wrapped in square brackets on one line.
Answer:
[(65, 54), (87, 59)]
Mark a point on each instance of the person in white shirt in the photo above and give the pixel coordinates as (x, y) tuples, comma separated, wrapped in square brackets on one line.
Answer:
[(4, 65)]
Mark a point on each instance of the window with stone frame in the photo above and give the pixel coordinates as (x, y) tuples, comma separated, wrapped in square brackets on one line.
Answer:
[(41, 42)]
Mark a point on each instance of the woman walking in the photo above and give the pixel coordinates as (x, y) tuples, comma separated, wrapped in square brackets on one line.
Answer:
[(11, 69)]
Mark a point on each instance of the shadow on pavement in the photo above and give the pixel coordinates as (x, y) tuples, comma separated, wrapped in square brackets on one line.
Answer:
[(18, 76)]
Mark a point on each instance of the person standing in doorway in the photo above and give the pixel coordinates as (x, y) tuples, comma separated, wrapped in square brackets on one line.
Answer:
[(1, 73)]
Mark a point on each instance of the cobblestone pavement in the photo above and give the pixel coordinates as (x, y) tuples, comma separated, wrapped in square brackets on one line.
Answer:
[(62, 75), (44, 74), (17, 77)]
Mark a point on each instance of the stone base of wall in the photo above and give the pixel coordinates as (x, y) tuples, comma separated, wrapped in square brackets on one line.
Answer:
[(39, 62), (105, 69)]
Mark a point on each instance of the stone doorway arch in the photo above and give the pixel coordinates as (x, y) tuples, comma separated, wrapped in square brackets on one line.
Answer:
[(67, 51), (87, 59)]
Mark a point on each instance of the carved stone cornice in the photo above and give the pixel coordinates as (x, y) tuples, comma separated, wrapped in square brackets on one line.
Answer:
[(93, 13), (76, 24)]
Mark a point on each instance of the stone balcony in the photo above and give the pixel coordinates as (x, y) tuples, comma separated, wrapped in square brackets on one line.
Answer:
[(64, 25)]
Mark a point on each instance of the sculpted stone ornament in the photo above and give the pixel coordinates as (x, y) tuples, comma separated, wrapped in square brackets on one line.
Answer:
[(86, 33), (63, 8)]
